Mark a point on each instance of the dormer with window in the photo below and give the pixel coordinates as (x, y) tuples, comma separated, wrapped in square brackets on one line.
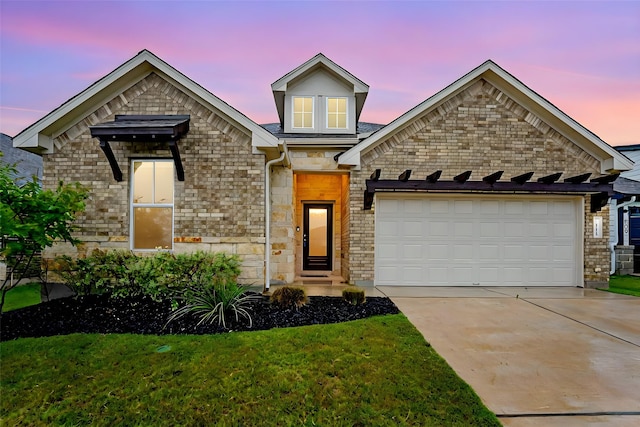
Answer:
[(319, 97)]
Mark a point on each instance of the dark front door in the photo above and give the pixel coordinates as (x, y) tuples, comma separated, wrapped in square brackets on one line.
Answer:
[(318, 237)]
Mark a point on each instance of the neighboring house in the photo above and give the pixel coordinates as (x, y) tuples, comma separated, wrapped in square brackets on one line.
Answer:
[(27, 164), (462, 190), (624, 230)]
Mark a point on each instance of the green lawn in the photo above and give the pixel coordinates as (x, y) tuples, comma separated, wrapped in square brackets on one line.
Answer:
[(377, 371), (22, 296), (628, 285)]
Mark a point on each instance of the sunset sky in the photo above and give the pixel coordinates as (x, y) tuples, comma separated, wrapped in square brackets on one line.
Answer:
[(584, 57)]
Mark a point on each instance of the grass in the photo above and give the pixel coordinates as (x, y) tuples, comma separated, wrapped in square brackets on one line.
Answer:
[(628, 285), (376, 371), (22, 296)]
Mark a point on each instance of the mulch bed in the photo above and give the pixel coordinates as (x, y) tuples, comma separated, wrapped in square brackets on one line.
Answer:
[(141, 315)]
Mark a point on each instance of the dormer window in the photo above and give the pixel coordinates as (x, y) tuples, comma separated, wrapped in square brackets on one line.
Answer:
[(303, 112), (336, 113)]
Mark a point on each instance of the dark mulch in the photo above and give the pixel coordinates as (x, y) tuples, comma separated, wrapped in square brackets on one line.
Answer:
[(141, 315)]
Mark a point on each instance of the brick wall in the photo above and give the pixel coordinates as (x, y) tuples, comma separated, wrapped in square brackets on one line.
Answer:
[(219, 205), (483, 130)]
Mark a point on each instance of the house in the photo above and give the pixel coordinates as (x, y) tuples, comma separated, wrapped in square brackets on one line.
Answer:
[(484, 183), (27, 164), (624, 222)]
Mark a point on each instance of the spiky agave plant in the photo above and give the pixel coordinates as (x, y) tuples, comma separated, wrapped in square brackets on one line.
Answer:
[(213, 303)]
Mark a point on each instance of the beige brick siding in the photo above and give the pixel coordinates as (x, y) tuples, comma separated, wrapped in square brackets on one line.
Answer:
[(483, 130), (219, 205)]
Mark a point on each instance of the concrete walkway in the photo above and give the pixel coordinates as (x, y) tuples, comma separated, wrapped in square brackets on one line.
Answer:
[(536, 356)]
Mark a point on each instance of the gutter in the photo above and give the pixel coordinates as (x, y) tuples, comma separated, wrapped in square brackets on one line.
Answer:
[(284, 156)]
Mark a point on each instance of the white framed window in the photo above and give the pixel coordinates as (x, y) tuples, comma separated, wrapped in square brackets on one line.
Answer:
[(152, 204), (336, 113), (302, 112)]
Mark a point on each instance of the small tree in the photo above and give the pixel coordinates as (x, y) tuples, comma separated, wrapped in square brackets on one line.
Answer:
[(32, 219)]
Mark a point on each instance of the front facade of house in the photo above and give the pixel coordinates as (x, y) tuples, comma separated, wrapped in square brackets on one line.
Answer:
[(462, 190)]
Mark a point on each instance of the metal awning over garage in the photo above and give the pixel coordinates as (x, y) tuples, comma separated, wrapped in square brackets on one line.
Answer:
[(142, 129)]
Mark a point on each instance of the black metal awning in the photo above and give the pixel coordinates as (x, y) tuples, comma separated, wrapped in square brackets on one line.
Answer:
[(142, 129), (600, 188)]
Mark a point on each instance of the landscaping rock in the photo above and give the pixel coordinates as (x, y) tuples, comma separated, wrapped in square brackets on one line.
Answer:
[(141, 315)]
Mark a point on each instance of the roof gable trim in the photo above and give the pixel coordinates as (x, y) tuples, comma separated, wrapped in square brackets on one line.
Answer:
[(609, 157)]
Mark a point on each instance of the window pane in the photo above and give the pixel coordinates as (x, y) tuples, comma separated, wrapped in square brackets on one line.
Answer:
[(164, 182), (302, 112), (152, 228), (308, 120), (337, 113), (317, 232), (142, 182)]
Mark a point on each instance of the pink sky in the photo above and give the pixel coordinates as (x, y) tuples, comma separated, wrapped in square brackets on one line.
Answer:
[(584, 57)]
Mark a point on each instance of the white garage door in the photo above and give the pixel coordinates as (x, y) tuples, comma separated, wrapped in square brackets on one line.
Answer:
[(477, 240)]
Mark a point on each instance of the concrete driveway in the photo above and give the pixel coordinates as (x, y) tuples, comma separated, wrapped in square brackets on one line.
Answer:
[(536, 356)]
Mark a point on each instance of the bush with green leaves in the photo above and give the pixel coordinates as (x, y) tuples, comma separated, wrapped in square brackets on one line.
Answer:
[(354, 296), (217, 303), (32, 219), (158, 275), (289, 297), (86, 275)]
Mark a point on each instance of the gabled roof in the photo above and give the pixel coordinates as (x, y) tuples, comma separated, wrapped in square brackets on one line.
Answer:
[(610, 159), (632, 152), (279, 87), (39, 136)]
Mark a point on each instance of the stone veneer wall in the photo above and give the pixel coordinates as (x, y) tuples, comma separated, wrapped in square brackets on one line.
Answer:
[(282, 230), (479, 129), (345, 211), (219, 206), (320, 188), (624, 259)]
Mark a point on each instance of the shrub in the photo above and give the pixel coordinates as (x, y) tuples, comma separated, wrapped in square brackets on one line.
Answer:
[(217, 302), (353, 296), (158, 275), (83, 275), (289, 297)]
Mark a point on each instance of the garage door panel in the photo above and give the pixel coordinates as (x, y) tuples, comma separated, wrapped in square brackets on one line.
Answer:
[(562, 253), (513, 229), (463, 229), (490, 229), (463, 207), (469, 240), (463, 275), (412, 229), (539, 208), (514, 208), (435, 207), (514, 253), (537, 229), (439, 228), (462, 253), (538, 253), (412, 252)]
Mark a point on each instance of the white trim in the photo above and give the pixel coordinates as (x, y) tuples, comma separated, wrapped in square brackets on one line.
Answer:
[(610, 159), (38, 136), (576, 201), (313, 112), (133, 205), (346, 112), (358, 85)]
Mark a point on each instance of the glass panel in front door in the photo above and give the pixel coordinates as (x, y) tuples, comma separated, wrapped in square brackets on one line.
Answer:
[(318, 232)]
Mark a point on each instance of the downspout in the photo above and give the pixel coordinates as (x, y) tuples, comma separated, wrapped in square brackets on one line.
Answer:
[(615, 243), (267, 215)]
